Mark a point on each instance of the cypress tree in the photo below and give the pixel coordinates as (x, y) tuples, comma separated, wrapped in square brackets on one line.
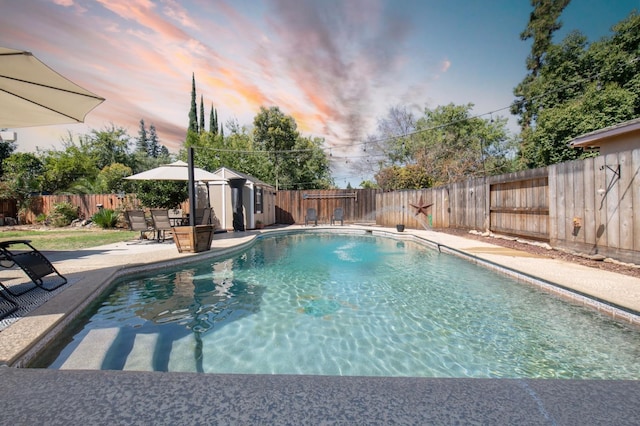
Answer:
[(193, 114), (213, 125), (201, 114)]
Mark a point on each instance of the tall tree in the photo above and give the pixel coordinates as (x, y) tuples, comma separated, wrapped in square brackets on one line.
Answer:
[(141, 140), (277, 134), (543, 22), (193, 114), (201, 114), (153, 144), (213, 121)]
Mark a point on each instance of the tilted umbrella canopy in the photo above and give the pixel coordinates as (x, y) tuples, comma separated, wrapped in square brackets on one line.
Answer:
[(175, 171), (32, 94)]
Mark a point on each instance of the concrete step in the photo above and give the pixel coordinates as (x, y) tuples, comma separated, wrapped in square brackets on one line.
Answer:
[(89, 355), (141, 356)]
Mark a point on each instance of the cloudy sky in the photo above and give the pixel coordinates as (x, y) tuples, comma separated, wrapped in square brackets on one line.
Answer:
[(336, 66)]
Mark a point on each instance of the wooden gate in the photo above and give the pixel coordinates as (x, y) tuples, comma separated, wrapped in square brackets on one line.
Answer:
[(520, 206)]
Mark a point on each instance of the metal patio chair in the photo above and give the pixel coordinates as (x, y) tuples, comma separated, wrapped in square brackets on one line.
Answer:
[(338, 216), (312, 216)]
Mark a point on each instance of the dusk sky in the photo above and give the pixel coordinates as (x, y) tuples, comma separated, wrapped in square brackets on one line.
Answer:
[(335, 66)]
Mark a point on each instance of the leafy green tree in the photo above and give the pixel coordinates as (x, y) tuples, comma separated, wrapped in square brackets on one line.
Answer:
[(22, 177), (63, 168), (6, 149), (162, 194), (446, 145), (310, 165), (411, 176), (454, 145), (111, 179), (580, 87), (277, 134), (108, 146), (369, 184), (193, 114)]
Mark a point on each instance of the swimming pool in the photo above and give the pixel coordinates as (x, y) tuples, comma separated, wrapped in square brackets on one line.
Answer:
[(347, 305)]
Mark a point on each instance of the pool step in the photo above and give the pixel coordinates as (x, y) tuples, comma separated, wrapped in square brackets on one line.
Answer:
[(141, 356), (89, 355), (90, 352), (182, 357)]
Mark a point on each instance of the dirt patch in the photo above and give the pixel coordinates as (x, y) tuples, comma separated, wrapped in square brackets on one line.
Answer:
[(538, 250)]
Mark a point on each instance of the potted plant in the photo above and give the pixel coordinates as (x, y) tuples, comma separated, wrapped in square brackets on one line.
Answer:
[(259, 224)]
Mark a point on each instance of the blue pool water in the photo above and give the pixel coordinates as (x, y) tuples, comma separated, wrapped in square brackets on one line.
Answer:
[(348, 305)]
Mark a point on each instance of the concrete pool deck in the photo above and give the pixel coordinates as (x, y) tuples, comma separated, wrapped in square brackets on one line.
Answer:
[(104, 397)]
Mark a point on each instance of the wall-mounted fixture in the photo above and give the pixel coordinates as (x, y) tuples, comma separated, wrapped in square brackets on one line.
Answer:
[(614, 169)]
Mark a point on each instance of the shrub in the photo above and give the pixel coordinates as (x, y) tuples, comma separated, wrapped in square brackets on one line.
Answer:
[(106, 218), (41, 218), (63, 214)]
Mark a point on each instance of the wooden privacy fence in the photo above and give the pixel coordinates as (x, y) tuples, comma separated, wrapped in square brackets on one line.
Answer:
[(591, 205), (358, 205), (87, 204), (515, 204)]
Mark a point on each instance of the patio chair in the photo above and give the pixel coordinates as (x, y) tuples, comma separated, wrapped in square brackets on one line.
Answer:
[(137, 222), (338, 215), (34, 264), (161, 223), (311, 216)]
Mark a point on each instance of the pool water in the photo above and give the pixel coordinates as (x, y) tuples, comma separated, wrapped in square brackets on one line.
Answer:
[(348, 305)]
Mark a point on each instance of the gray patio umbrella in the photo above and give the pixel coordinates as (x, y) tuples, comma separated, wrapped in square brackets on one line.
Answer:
[(32, 94)]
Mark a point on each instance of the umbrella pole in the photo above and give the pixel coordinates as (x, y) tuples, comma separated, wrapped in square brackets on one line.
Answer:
[(192, 190)]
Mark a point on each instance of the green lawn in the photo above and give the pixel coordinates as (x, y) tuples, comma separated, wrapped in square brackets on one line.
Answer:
[(69, 239)]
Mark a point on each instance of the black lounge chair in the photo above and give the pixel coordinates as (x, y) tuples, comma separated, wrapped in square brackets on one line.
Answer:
[(311, 216), (12, 306), (338, 215), (32, 262)]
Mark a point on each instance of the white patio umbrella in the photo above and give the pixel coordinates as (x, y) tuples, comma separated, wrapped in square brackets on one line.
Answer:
[(178, 170), (32, 94)]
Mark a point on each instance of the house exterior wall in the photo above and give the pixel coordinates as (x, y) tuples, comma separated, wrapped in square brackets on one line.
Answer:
[(618, 143)]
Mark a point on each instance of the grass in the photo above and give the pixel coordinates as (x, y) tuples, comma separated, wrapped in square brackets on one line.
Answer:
[(68, 239)]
